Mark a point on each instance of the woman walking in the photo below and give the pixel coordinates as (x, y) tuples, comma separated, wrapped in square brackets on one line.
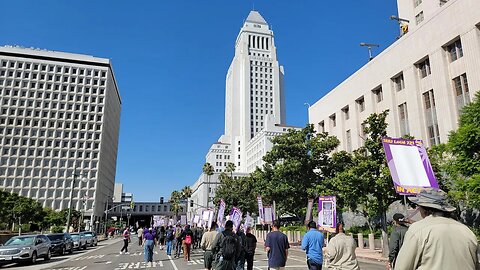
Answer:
[(161, 237), (187, 237), (148, 244)]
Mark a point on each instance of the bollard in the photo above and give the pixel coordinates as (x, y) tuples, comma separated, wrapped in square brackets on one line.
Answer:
[(371, 241), (360, 240)]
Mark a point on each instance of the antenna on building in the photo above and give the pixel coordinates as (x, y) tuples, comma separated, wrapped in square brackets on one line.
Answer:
[(369, 46), (253, 5)]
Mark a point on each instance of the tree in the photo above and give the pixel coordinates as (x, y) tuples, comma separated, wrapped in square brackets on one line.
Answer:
[(230, 168), (237, 192), (174, 201), (186, 192), (208, 171)]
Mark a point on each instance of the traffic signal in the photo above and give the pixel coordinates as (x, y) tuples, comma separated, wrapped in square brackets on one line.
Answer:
[(132, 204), (191, 203), (404, 28), (161, 200)]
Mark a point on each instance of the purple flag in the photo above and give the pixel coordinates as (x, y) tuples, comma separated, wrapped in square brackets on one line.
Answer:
[(221, 212)]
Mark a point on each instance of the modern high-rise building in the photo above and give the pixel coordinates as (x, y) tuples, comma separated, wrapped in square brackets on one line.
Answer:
[(59, 121), (254, 107), (424, 78)]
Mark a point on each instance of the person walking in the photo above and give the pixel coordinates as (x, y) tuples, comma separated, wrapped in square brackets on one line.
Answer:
[(437, 241), (243, 247), (207, 244), (187, 239), (226, 248), (396, 238), (148, 244), (312, 243), (178, 241), (140, 236), (340, 251), (169, 238), (251, 246), (276, 246), (161, 237), (126, 240)]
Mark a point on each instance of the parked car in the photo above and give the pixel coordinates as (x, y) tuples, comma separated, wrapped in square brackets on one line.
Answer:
[(25, 248), (92, 237), (61, 243), (79, 240)]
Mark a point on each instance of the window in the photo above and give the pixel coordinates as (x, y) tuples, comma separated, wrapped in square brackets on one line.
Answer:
[(454, 50), (431, 118), (460, 85), (346, 113), (403, 118), (398, 82), (360, 104), (424, 68), (378, 93), (333, 120), (442, 2), (348, 141), (321, 127), (419, 18)]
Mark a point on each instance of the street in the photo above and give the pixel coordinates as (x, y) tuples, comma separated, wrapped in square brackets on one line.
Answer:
[(106, 256)]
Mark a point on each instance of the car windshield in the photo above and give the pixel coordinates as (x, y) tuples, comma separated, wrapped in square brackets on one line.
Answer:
[(75, 236), (20, 241), (55, 237), (88, 234)]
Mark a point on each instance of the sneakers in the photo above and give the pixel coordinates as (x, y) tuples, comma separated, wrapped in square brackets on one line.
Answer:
[(127, 252), (121, 253)]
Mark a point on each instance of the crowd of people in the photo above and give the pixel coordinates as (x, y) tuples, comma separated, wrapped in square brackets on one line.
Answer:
[(435, 242)]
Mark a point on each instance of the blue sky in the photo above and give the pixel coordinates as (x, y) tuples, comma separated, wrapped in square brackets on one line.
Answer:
[(170, 59)]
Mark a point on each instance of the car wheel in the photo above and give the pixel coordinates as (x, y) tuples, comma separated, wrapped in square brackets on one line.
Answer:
[(62, 252), (85, 246), (33, 259), (71, 250), (48, 256)]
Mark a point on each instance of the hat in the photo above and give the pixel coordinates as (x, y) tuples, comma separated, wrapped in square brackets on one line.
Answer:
[(399, 217), (433, 198)]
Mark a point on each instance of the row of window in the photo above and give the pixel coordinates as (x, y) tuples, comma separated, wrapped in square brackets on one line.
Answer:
[(258, 42), (45, 153), (47, 163), (260, 63), (224, 156), (10, 75), (28, 123), (52, 68), (151, 208), (54, 87)]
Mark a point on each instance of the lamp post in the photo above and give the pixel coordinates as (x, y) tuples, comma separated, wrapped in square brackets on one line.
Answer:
[(71, 197), (369, 46), (106, 214)]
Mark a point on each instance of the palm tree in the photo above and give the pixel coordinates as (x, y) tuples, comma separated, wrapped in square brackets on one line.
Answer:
[(175, 203), (231, 168), (186, 192), (208, 171)]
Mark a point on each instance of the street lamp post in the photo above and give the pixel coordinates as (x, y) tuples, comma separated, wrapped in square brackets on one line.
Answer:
[(106, 214), (71, 198), (369, 46)]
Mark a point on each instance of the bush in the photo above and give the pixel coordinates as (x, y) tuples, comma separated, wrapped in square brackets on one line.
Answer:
[(57, 229)]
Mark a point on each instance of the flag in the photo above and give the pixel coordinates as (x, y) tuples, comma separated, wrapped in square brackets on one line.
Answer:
[(221, 213)]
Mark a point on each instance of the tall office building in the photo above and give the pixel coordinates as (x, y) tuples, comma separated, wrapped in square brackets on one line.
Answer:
[(424, 78), (59, 117), (254, 107)]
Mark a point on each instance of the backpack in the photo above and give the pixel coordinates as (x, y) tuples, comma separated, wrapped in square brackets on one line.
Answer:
[(229, 246), (188, 239), (170, 235)]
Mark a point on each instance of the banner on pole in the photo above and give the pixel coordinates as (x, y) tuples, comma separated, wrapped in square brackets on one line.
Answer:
[(261, 210), (268, 216), (308, 216), (248, 221), (196, 219), (236, 217), (327, 213), (210, 218), (157, 221), (221, 212), (409, 165), (183, 220)]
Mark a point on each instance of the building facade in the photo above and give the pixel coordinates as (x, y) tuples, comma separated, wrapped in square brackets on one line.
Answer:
[(423, 79), (59, 124), (254, 108)]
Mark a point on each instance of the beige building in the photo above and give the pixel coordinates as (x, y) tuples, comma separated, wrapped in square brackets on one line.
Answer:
[(424, 78)]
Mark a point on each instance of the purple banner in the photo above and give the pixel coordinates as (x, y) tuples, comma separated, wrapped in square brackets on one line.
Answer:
[(260, 209), (221, 213), (327, 213), (236, 217), (409, 165)]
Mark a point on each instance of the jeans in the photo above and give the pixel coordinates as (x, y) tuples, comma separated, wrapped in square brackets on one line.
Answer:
[(313, 265), (125, 245), (241, 263), (169, 247), (178, 247), (148, 251), (249, 259)]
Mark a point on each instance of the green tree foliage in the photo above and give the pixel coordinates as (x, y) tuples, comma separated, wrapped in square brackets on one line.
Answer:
[(19, 209), (236, 191), (174, 200)]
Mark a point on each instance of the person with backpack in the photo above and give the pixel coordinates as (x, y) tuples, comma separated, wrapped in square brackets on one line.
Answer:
[(396, 238), (243, 247), (187, 239), (178, 241), (169, 237), (161, 237), (226, 248), (251, 246), (276, 246), (207, 245), (126, 240)]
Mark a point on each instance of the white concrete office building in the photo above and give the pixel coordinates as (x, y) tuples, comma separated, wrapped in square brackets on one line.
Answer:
[(254, 94), (59, 116), (424, 78)]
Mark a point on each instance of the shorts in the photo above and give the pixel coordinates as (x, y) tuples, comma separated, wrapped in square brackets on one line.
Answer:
[(208, 259)]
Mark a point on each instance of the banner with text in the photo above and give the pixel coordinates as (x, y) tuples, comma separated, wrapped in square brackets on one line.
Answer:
[(409, 165), (221, 213), (327, 213), (261, 212)]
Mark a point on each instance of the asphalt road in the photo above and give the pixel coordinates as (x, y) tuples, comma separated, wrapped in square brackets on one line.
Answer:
[(106, 256)]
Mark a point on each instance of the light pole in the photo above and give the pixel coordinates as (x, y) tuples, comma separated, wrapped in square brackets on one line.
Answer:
[(71, 197), (369, 46), (106, 214)]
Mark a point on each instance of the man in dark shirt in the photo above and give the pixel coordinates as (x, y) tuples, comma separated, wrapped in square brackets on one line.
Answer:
[(222, 263), (251, 246), (396, 238), (277, 247)]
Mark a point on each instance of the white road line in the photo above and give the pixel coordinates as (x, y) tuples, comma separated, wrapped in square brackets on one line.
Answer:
[(173, 264)]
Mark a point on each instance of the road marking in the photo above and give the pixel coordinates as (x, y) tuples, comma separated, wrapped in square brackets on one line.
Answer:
[(173, 264), (88, 257), (71, 268), (139, 265), (109, 262)]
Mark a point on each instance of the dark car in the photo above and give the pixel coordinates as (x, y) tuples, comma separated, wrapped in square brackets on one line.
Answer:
[(25, 248), (61, 243), (92, 238)]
